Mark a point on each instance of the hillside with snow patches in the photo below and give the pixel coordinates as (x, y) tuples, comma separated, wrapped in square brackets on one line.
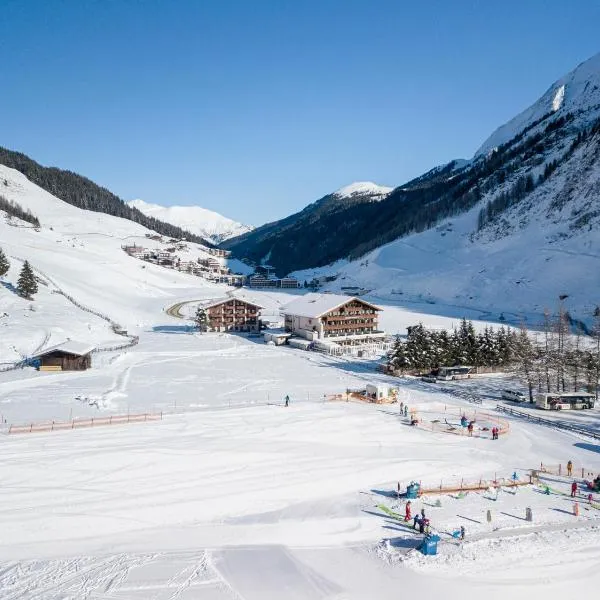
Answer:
[(79, 253), (206, 223), (510, 255)]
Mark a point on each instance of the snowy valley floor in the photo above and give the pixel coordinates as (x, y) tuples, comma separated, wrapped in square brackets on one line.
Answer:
[(232, 495)]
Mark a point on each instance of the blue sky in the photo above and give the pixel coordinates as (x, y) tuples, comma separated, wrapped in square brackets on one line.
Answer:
[(257, 108)]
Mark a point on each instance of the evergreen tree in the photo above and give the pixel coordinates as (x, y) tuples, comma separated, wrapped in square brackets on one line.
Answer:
[(200, 319), (397, 355), (4, 264), (27, 285)]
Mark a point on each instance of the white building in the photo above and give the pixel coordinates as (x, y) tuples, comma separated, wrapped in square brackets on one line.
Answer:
[(333, 318)]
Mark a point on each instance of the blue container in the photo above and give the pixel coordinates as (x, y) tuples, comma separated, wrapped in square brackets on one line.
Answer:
[(412, 491), (429, 545)]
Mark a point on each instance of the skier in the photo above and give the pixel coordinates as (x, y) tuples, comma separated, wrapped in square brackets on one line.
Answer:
[(470, 428), (574, 489), (287, 401), (464, 421), (407, 515), (401, 407), (569, 468), (406, 410), (462, 532)]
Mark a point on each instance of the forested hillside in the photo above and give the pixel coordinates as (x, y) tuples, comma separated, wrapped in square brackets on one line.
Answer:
[(521, 156), (84, 193)]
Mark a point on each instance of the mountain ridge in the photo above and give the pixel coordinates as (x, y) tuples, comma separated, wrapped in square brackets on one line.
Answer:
[(200, 221), (515, 159)]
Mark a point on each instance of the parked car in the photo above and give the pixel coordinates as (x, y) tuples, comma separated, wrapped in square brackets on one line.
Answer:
[(513, 396), (429, 379)]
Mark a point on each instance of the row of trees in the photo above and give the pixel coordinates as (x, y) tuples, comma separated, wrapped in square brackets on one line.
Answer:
[(556, 359), (16, 210), (425, 349), (26, 284)]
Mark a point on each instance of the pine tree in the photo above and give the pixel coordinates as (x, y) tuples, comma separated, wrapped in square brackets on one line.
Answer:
[(397, 356), (200, 319), (4, 264), (26, 284)]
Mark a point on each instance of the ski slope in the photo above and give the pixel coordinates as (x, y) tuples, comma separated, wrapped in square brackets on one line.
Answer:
[(232, 495), (79, 253)]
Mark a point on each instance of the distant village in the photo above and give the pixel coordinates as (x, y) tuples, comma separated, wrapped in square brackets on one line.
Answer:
[(211, 268)]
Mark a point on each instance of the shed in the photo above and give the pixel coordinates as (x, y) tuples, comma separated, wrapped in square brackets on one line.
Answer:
[(279, 338), (378, 391), (68, 356)]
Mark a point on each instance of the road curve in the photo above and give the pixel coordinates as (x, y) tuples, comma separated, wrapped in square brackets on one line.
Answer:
[(174, 310)]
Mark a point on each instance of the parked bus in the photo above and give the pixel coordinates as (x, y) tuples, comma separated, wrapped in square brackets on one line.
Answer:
[(565, 401), (450, 373), (513, 396)]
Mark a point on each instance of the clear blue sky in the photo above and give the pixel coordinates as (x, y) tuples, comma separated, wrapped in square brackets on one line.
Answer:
[(255, 108)]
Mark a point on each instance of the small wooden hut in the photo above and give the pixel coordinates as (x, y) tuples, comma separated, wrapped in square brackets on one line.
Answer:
[(68, 356)]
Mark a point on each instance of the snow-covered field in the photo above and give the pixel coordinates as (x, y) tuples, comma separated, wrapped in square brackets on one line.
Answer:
[(231, 494)]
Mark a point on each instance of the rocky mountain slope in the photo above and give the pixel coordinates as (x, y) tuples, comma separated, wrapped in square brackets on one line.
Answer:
[(200, 221), (511, 228), (310, 237)]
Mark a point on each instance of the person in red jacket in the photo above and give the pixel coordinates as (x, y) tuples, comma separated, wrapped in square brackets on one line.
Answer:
[(407, 516), (574, 489)]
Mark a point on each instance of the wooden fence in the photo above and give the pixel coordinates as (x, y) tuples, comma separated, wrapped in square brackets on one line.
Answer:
[(84, 423)]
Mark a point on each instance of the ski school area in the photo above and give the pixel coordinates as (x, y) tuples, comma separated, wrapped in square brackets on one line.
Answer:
[(233, 494)]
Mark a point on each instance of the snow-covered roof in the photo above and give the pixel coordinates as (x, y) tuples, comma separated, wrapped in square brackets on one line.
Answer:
[(217, 301), (69, 347), (314, 305)]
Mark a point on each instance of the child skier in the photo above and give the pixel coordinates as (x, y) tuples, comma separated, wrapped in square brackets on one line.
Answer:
[(407, 515), (569, 468), (574, 489)]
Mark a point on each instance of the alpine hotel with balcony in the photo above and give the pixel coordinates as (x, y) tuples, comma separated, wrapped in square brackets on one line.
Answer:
[(231, 314), (343, 320)]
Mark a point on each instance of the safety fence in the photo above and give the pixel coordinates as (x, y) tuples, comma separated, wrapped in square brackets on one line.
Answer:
[(84, 423), (455, 421), (458, 486), (562, 470), (358, 397), (548, 422)]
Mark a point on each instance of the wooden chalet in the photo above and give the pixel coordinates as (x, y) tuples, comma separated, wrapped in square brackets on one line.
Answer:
[(232, 314), (330, 317), (68, 356)]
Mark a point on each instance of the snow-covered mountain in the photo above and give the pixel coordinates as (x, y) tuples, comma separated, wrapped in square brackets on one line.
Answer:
[(577, 93), (506, 232), (203, 222), (364, 188)]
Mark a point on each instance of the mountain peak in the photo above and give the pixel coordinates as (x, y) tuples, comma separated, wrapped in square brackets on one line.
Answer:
[(208, 224), (577, 92), (363, 188)]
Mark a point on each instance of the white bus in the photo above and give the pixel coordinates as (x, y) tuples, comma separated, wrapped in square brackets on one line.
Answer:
[(565, 401), (513, 396)]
